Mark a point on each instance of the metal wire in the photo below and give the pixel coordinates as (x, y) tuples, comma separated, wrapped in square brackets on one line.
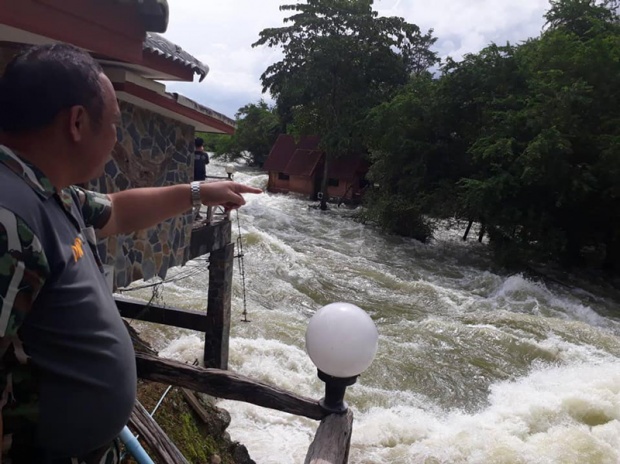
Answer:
[(160, 401), (193, 271), (241, 269)]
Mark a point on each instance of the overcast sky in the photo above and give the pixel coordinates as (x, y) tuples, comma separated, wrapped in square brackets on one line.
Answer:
[(220, 33)]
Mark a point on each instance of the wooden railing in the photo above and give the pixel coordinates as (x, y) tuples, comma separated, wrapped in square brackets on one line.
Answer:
[(333, 437)]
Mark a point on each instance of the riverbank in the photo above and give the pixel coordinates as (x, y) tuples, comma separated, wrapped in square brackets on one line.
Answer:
[(201, 438), (191, 420)]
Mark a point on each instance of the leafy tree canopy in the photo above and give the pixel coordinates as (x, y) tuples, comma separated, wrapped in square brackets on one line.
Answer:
[(256, 132), (340, 59), (523, 139)]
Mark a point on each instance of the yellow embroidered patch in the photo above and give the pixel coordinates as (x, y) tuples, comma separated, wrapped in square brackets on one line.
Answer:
[(78, 250)]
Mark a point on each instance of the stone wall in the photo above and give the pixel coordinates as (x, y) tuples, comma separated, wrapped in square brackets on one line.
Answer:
[(151, 151)]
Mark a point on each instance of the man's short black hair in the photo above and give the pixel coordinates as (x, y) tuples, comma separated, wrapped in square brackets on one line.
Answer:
[(199, 142), (44, 80)]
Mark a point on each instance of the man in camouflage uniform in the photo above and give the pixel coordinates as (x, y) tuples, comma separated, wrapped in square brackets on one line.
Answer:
[(67, 367)]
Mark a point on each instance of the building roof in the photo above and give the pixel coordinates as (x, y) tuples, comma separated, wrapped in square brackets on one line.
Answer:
[(225, 120), (280, 154), (154, 13), (158, 45), (303, 162), (303, 157)]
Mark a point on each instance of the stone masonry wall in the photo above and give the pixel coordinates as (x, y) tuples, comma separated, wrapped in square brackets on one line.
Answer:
[(151, 151)]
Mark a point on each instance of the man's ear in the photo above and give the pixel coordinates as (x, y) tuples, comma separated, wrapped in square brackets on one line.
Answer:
[(77, 122)]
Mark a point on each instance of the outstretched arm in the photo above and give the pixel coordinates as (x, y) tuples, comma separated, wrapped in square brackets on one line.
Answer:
[(141, 208)]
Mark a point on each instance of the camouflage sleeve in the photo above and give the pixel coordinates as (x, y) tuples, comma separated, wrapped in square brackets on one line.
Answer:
[(23, 271), (96, 207)]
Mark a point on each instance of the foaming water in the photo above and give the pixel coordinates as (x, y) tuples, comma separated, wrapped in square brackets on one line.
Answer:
[(473, 366), (561, 414)]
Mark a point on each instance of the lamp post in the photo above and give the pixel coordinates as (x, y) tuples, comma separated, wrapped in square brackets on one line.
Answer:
[(341, 340), (230, 170)]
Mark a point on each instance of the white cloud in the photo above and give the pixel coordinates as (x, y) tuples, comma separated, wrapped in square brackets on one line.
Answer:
[(221, 34)]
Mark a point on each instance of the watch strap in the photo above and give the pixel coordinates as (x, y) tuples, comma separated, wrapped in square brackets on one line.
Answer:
[(195, 189)]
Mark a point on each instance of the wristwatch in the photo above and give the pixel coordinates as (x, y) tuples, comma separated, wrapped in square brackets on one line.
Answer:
[(195, 188)]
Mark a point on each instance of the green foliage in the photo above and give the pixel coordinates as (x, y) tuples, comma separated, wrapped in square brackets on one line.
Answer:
[(256, 132), (198, 441), (398, 215), (584, 18), (524, 139), (218, 144), (340, 59)]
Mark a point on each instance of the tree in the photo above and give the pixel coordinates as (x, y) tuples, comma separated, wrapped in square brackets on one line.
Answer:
[(581, 17), (256, 132), (525, 139), (404, 136), (421, 139), (217, 144), (340, 60), (543, 164)]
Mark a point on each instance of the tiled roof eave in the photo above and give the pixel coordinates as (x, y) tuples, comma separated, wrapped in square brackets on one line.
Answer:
[(160, 46)]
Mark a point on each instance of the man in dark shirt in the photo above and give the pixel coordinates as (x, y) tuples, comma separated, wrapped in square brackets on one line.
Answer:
[(201, 159), (67, 367)]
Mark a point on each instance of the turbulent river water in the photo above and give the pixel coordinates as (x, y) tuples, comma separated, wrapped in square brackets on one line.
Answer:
[(474, 365)]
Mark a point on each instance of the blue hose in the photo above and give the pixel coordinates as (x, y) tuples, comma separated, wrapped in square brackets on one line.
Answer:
[(134, 447)]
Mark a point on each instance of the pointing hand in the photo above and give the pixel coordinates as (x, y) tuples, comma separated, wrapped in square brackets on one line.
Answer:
[(225, 193)]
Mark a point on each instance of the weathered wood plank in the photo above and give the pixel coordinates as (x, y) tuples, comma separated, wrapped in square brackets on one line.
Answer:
[(227, 385), (152, 434), (193, 401), (332, 440), (182, 318)]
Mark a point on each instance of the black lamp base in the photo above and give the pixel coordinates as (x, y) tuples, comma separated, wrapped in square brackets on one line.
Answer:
[(335, 388)]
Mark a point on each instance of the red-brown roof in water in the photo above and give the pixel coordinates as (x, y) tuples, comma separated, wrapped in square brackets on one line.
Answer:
[(303, 163), (280, 154), (303, 157)]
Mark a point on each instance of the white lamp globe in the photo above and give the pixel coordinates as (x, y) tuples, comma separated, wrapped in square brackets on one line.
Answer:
[(341, 340), (230, 168)]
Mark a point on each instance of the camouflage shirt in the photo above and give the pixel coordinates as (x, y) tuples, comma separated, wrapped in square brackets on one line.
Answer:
[(24, 269)]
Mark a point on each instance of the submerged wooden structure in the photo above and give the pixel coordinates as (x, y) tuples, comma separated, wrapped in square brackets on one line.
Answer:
[(299, 167), (333, 437)]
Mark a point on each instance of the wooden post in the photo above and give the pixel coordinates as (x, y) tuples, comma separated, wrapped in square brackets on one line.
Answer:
[(467, 230), (218, 307), (332, 440)]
